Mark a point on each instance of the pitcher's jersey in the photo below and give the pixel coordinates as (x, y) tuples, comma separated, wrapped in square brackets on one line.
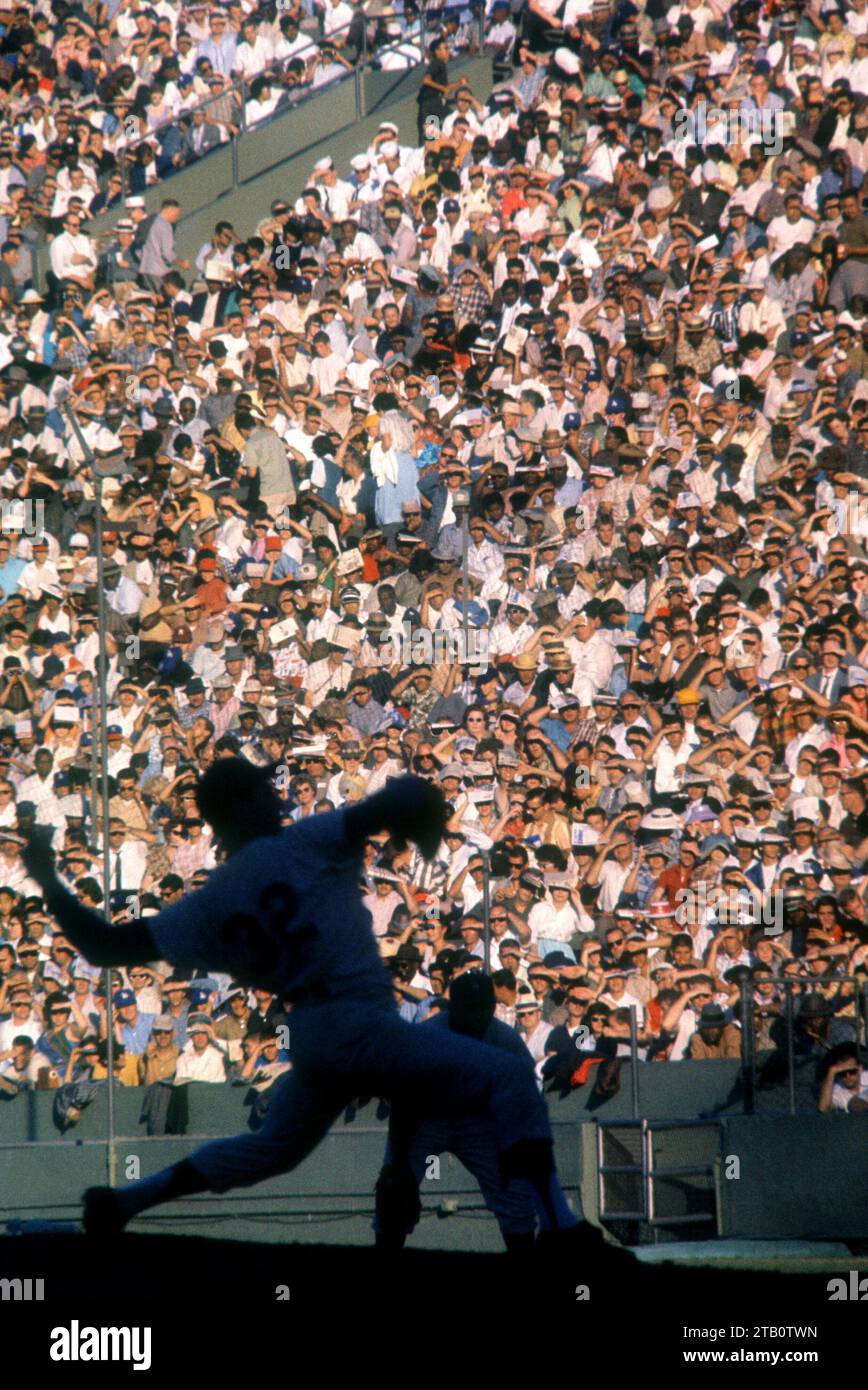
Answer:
[(284, 913)]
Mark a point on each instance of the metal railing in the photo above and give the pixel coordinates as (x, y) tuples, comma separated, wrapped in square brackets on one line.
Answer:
[(237, 91), (792, 989), (366, 61), (648, 1171)]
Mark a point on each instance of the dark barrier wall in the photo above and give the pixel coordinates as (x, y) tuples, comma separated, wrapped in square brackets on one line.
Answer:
[(796, 1176), (665, 1091)]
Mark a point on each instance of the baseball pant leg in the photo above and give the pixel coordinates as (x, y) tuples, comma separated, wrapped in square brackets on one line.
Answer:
[(301, 1112), (398, 1207), (512, 1203)]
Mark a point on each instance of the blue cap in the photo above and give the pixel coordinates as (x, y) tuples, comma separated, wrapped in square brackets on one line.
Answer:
[(268, 610), (124, 998), (616, 403), (451, 205), (573, 421), (199, 996), (302, 285), (713, 842)]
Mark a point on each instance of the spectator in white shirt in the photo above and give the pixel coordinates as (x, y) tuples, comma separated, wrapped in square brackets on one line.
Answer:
[(72, 255)]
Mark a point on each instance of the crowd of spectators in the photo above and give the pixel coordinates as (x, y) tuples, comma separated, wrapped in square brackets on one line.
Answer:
[(127, 94), (580, 375)]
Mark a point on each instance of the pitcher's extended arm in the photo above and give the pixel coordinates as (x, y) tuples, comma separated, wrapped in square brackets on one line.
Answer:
[(88, 931)]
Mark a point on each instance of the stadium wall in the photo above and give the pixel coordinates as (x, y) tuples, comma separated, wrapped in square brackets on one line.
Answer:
[(800, 1176)]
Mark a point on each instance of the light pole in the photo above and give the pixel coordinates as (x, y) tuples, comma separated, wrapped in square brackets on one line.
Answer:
[(461, 505), (104, 468), (486, 908)]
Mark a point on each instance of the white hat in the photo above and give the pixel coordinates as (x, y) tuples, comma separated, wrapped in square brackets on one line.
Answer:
[(567, 61), (322, 164), (390, 150), (78, 538), (660, 819), (360, 162), (135, 202)]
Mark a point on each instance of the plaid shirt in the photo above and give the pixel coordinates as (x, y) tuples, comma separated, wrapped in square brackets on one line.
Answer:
[(471, 305), (77, 357), (586, 731), (777, 727), (137, 358), (187, 715)]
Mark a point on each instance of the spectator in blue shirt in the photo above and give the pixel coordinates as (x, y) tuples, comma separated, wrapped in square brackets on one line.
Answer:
[(10, 568), (60, 1036), (219, 48), (133, 1028)]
